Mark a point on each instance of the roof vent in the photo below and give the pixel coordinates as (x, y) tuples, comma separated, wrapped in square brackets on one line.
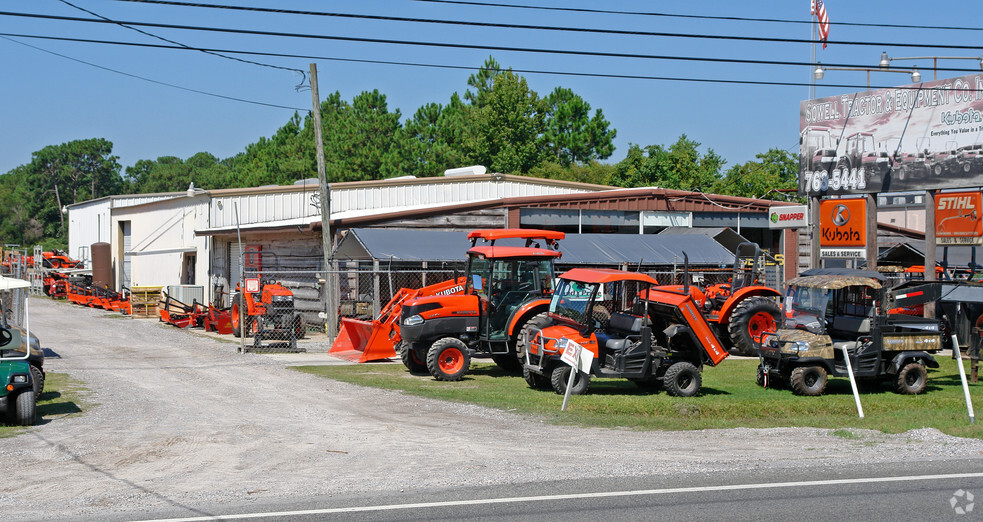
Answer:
[(474, 170), (308, 181)]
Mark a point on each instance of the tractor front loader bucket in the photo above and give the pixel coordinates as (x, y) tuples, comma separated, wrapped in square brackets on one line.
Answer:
[(364, 341)]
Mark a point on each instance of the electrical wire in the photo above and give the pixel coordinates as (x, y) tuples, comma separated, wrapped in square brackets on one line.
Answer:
[(473, 68), (669, 15), (467, 46), (303, 74), (158, 82)]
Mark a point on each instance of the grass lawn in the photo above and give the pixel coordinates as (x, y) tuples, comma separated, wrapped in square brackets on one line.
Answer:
[(729, 399), (62, 396)]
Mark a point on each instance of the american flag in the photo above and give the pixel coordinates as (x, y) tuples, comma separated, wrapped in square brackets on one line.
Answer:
[(819, 9)]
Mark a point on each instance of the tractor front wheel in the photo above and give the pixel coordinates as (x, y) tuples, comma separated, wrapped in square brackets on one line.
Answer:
[(682, 379), (751, 318), (448, 359)]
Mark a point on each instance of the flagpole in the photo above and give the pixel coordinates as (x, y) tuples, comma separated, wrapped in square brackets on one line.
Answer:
[(812, 77)]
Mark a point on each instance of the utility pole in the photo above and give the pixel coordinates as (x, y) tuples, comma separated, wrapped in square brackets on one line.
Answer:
[(325, 192)]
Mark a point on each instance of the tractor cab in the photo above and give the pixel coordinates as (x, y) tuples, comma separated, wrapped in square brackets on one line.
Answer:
[(503, 278), (504, 287)]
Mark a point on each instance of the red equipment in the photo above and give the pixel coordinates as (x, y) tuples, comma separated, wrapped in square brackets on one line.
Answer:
[(634, 330), (740, 310), (363, 341)]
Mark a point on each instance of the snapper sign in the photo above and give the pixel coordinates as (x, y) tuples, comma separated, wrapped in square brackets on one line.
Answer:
[(795, 216)]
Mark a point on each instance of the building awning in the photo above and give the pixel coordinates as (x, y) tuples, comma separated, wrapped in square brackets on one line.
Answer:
[(301, 224), (578, 249)]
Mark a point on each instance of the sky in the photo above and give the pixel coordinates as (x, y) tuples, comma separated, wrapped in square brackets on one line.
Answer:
[(636, 65)]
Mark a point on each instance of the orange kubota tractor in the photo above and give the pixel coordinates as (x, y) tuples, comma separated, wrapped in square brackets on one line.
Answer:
[(267, 312), (632, 329), (437, 328), (741, 309)]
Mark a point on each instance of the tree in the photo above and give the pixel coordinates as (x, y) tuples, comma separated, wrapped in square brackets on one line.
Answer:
[(504, 126), (171, 174), (64, 174), (681, 167), (428, 143), (775, 170), (571, 134), (358, 138)]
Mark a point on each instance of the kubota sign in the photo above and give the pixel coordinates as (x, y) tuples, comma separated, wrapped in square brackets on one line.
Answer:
[(958, 219), (843, 223)]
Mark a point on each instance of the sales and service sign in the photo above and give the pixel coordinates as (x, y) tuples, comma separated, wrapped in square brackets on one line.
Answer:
[(958, 218), (843, 223), (921, 136), (795, 216)]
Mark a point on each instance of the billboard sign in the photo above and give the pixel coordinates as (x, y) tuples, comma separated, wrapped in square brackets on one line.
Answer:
[(959, 218), (794, 216), (843, 223), (915, 137)]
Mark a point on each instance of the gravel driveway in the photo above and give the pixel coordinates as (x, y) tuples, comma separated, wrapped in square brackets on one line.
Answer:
[(180, 420)]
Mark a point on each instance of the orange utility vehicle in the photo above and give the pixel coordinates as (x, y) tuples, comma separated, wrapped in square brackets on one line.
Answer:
[(632, 328), (742, 309)]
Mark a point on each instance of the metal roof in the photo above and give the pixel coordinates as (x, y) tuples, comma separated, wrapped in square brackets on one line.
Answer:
[(583, 249)]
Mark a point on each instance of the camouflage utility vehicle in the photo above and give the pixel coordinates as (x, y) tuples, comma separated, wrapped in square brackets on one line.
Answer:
[(826, 310)]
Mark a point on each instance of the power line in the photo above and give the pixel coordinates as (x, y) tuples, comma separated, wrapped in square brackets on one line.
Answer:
[(672, 15), (158, 82), (303, 74), (742, 61), (486, 47), (473, 68)]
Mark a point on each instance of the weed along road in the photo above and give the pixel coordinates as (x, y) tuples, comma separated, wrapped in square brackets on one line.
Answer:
[(177, 424)]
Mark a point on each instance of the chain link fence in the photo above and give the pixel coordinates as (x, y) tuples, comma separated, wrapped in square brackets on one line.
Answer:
[(289, 310)]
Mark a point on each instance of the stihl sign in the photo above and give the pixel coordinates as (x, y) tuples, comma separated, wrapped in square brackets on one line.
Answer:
[(788, 217), (958, 218), (843, 223)]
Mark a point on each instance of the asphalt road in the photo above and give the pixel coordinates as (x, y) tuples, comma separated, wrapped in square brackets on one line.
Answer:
[(939, 490)]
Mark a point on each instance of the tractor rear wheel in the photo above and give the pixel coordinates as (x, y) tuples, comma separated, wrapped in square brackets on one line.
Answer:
[(535, 380), (536, 322), (448, 359), (751, 318), (300, 326), (238, 317), (508, 362), (911, 379), (808, 380), (682, 380), (411, 359), (561, 376)]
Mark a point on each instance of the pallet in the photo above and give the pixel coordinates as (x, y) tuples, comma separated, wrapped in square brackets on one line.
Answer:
[(144, 300)]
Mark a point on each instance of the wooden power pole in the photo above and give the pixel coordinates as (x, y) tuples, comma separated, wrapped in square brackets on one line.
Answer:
[(325, 192)]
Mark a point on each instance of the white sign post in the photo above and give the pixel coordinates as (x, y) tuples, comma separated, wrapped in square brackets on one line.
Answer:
[(573, 355), (962, 377), (853, 381)]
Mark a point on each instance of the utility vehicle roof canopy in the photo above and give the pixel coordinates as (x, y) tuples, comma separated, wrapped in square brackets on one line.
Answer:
[(605, 275)]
